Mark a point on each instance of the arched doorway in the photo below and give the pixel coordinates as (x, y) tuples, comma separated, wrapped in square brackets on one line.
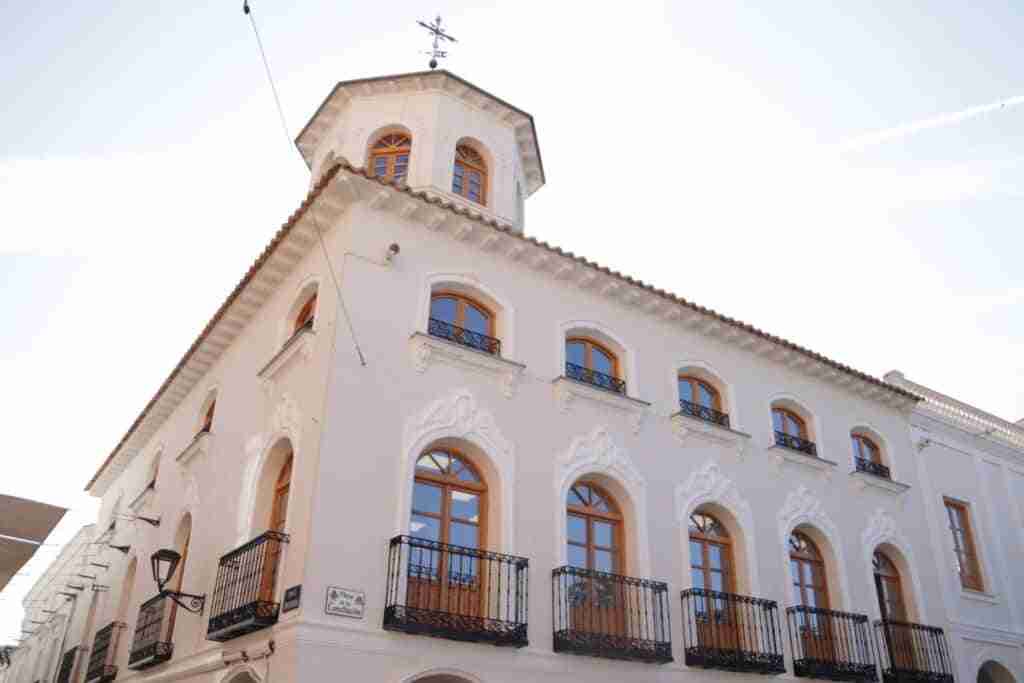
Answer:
[(994, 672), (810, 591), (712, 569)]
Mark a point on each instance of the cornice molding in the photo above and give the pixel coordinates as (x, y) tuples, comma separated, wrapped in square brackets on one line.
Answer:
[(568, 391), (688, 428), (863, 480), (428, 351), (782, 455)]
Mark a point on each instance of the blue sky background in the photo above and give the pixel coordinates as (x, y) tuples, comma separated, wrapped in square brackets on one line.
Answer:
[(142, 168)]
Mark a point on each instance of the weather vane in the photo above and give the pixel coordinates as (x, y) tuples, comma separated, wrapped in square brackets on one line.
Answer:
[(439, 35)]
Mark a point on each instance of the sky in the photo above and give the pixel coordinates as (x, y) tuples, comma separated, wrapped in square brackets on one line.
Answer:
[(814, 169)]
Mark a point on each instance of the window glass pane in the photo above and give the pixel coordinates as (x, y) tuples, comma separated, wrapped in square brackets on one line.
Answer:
[(577, 529), (380, 165), (464, 534), (698, 578), (778, 421), (466, 505), (575, 353), (604, 561), (602, 362), (706, 399), (577, 496), (443, 308), (604, 534), (715, 557), (476, 320), (426, 498), (717, 581), (696, 554), (577, 556), (686, 390), (425, 527)]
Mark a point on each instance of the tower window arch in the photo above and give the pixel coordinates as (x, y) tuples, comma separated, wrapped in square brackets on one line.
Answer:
[(469, 175), (389, 156)]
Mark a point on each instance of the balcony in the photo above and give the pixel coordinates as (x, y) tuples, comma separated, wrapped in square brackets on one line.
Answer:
[(67, 666), (152, 643), (871, 467), (701, 412), (463, 337), (104, 653), (731, 632), (831, 645), (448, 591), (796, 443), (913, 653), (595, 378), (611, 616), (243, 597)]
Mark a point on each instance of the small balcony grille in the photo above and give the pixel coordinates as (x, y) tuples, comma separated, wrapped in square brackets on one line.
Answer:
[(913, 653), (449, 591), (464, 337), (243, 597), (796, 443), (595, 378), (612, 616), (702, 412), (830, 644), (731, 632), (104, 651), (152, 642), (872, 467)]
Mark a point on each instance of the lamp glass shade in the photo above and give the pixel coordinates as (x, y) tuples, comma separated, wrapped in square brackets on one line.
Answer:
[(164, 561)]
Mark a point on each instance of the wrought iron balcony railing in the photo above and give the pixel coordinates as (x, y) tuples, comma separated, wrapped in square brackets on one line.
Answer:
[(464, 337), (796, 443), (731, 632), (830, 644), (611, 616), (102, 659), (913, 653), (595, 378), (152, 643), (67, 666), (243, 596), (872, 467), (449, 591), (702, 412)]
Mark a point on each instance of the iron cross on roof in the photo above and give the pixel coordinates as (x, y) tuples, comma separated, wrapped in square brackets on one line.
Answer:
[(439, 35)]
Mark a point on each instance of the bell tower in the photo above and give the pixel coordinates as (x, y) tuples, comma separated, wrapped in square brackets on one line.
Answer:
[(436, 133)]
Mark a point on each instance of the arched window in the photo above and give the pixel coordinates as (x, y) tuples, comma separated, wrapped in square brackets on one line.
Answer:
[(463, 320), (711, 564), (389, 156), (788, 422), (207, 423), (448, 500), (469, 178), (888, 588), (807, 570), (589, 361), (594, 532), (699, 392), (306, 314), (278, 522)]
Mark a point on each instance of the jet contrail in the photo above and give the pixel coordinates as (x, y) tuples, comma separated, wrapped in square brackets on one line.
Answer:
[(880, 136)]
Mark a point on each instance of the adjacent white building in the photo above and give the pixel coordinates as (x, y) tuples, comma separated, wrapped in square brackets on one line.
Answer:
[(415, 444)]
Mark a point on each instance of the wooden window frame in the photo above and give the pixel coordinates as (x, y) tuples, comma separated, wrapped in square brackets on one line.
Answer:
[(390, 155), (723, 542), (716, 395), (467, 166), (206, 425), (589, 515), (461, 301), (806, 558), (306, 314), (448, 483), (974, 580), (863, 442), (588, 361), (800, 421), (895, 582)]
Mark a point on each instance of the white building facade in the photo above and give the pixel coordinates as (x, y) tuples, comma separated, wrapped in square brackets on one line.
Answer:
[(417, 445)]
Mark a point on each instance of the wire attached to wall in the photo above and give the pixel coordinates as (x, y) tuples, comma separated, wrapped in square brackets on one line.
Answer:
[(312, 213)]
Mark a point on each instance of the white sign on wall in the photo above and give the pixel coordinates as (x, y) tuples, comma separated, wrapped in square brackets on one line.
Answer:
[(345, 602)]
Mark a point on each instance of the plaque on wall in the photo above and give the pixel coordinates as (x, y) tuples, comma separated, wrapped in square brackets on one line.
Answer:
[(344, 602), (291, 598)]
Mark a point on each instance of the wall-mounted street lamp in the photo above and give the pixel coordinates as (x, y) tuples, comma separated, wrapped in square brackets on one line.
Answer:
[(164, 562)]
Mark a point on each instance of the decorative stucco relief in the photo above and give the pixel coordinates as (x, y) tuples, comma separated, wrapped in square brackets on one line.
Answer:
[(427, 351), (803, 507), (568, 392)]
